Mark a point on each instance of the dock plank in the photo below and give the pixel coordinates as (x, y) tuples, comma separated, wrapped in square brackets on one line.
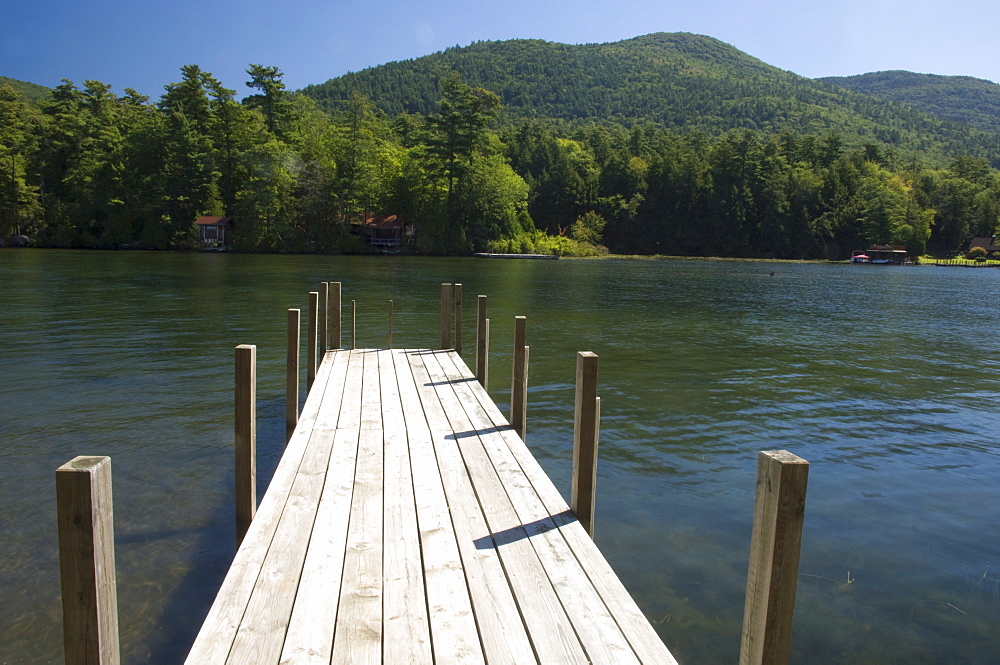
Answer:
[(636, 627), (407, 523)]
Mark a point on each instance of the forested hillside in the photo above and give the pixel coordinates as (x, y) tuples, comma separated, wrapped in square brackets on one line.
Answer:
[(27, 91), (964, 99), (679, 81), (717, 167)]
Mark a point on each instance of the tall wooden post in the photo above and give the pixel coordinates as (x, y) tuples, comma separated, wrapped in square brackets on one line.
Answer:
[(313, 332), (389, 342), (446, 295), (519, 378), (324, 319), (458, 319), (246, 437), (586, 426), (335, 306), (482, 343), (779, 511), (292, 372), (354, 324), (87, 561)]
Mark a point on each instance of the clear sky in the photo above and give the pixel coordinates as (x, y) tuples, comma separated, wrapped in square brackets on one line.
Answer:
[(143, 43)]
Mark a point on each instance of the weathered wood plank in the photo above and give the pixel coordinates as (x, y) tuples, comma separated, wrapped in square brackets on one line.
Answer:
[(262, 630), (452, 621), (358, 635), (635, 626), (217, 633), (550, 629), (371, 402), (309, 640), (594, 624), (350, 406)]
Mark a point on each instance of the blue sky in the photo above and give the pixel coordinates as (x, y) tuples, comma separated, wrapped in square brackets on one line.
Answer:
[(143, 43)]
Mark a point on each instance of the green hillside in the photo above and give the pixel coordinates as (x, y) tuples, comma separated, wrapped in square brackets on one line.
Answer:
[(28, 91), (679, 81), (963, 99)]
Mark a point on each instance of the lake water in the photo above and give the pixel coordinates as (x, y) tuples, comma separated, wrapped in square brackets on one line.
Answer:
[(886, 379)]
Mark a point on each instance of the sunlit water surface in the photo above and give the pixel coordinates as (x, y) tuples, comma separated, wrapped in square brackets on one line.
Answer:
[(885, 379)]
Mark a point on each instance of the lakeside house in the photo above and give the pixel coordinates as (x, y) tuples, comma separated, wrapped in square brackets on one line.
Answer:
[(387, 233), (213, 232), (988, 244)]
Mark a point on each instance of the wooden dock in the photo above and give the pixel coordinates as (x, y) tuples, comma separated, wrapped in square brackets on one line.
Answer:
[(408, 523)]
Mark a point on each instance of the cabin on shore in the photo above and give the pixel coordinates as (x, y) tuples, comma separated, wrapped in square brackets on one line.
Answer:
[(388, 233), (214, 232), (988, 244)]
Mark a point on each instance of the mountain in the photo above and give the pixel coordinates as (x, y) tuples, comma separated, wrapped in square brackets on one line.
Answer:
[(29, 91), (679, 80), (963, 99)]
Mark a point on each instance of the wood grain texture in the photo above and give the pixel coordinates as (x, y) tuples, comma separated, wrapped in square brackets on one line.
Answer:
[(87, 561), (779, 512)]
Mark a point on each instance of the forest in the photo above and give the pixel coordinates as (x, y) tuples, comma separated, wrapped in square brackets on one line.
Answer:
[(88, 168)]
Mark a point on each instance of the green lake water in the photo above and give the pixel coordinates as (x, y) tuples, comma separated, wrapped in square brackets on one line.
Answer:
[(886, 379)]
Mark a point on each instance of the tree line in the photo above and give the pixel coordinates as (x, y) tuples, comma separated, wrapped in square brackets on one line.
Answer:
[(88, 168)]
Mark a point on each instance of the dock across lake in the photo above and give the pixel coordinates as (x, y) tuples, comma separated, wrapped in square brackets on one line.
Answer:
[(408, 523)]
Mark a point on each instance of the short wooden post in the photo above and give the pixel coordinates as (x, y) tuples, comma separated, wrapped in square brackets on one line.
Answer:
[(779, 511), (324, 319), (458, 319), (586, 426), (336, 323), (246, 437), (313, 325), (354, 324), (87, 561), (389, 342), (446, 295), (519, 378), (482, 342), (292, 372)]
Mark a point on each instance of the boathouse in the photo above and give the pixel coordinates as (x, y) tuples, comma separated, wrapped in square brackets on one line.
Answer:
[(214, 232)]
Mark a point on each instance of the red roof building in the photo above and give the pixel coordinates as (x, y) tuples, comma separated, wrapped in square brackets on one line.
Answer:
[(214, 231)]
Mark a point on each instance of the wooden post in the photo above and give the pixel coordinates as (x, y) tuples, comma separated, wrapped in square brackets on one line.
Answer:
[(519, 378), (458, 319), (292, 372), (324, 319), (311, 352), (389, 344), (446, 295), (779, 511), (354, 324), (335, 306), (482, 342), (246, 437), (87, 561), (586, 426)]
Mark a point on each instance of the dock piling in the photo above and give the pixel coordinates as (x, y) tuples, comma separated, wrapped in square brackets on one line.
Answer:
[(324, 318), (779, 511), (458, 319), (389, 343), (336, 323), (246, 437), (482, 342), (586, 427), (446, 296), (519, 378), (87, 562), (354, 324), (292, 372), (313, 324)]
